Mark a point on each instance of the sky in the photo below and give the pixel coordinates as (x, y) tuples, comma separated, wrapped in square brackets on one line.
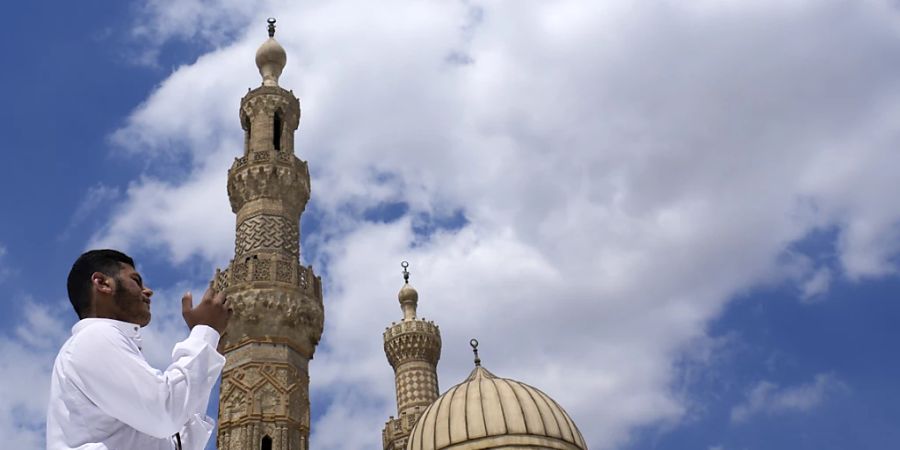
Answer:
[(678, 219)]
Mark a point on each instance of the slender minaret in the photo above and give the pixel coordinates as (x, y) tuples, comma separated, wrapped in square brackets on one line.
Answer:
[(278, 313), (413, 347)]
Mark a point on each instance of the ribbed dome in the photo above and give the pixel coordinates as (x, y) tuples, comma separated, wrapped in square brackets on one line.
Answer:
[(487, 412)]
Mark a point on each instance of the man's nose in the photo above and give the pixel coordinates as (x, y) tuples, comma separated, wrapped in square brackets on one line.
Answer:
[(148, 292)]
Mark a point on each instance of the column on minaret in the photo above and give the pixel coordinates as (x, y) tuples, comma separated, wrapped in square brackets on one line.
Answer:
[(413, 348), (277, 302)]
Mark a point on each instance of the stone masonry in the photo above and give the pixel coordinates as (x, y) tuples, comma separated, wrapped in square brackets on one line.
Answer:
[(277, 302), (413, 348)]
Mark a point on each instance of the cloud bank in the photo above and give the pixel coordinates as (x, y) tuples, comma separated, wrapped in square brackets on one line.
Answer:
[(584, 185), (769, 398)]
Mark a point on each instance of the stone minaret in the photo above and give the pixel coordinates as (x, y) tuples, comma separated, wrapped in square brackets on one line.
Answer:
[(278, 313), (413, 347)]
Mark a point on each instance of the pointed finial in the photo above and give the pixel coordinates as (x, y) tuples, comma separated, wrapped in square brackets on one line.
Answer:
[(474, 344), (271, 58), (408, 296)]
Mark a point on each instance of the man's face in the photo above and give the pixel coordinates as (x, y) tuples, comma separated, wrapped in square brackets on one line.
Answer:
[(131, 297)]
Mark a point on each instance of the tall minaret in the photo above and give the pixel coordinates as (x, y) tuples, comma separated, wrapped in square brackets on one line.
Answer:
[(278, 313), (413, 347)]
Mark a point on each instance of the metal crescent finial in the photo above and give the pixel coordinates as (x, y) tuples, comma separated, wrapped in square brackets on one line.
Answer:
[(271, 21), (474, 344), (404, 265)]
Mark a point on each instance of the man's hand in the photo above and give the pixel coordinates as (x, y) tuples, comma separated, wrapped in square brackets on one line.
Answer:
[(211, 311)]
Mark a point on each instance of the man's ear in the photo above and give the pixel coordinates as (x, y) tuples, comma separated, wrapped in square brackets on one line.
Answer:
[(102, 282)]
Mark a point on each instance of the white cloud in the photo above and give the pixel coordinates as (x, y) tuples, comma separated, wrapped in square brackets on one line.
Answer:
[(26, 359), (95, 198), (768, 398), (208, 22), (162, 217), (624, 172), (817, 285)]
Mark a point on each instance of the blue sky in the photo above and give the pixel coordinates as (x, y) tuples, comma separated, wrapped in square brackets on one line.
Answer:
[(678, 220)]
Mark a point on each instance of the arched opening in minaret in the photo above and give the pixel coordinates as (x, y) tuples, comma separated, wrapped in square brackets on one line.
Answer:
[(276, 131), (245, 124), (266, 443)]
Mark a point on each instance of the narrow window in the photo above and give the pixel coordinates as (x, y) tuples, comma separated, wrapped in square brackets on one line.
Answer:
[(266, 443), (245, 122), (276, 131)]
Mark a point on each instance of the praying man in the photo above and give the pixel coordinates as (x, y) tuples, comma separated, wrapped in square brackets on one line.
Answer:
[(103, 393)]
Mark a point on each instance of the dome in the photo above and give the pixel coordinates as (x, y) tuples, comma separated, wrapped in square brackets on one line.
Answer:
[(409, 299), (496, 412), (408, 294), (271, 58)]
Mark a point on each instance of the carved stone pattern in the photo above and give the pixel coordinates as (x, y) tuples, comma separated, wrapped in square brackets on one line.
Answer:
[(278, 309), (395, 433), (258, 399), (265, 100), (412, 346), (283, 271), (416, 387), (409, 326), (262, 269), (260, 156), (267, 233), (238, 272), (302, 279), (220, 280), (287, 183)]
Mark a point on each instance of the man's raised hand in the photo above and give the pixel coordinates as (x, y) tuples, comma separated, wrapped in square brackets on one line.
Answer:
[(211, 311)]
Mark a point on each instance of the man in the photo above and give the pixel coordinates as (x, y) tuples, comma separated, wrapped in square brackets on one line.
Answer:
[(103, 394)]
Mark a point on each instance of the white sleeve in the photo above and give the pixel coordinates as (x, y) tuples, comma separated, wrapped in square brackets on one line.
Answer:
[(196, 432), (114, 375)]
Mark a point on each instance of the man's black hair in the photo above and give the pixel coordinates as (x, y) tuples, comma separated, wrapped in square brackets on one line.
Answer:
[(107, 262)]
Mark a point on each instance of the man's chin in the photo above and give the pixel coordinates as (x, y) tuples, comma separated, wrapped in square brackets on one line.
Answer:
[(144, 321)]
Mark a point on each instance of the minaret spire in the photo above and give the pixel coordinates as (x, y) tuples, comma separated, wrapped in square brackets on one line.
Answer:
[(405, 265), (277, 302), (413, 348), (474, 344), (271, 58), (408, 296)]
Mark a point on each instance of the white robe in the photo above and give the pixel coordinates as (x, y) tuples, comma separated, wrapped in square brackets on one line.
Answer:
[(105, 396)]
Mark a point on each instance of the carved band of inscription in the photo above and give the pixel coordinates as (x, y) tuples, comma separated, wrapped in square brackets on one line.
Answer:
[(265, 232)]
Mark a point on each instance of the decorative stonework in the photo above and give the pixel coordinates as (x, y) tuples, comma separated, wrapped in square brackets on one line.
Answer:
[(265, 100), (416, 386), (278, 314), (257, 271), (278, 307), (413, 348), (414, 340), (263, 399), (265, 232), (283, 271), (261, 389), (287, 183)]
